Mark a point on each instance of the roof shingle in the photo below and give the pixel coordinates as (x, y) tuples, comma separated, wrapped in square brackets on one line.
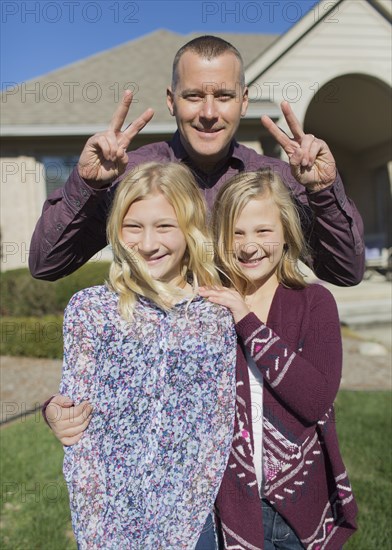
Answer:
[(86, 92)]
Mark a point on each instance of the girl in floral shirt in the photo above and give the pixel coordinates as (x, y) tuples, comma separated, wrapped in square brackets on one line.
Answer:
[(157, 362)]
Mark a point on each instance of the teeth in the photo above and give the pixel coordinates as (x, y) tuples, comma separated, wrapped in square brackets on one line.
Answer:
[(250, 261), (154, 259)]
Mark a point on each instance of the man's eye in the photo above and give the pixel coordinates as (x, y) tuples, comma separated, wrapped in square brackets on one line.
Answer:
[(193, 97), (225, 97)]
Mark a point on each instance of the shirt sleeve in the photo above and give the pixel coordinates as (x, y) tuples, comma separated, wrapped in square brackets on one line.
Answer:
[(336, 236), (333, 229), (80, 345), (306, 379), (83, 467), (71, 229), (227, 361)]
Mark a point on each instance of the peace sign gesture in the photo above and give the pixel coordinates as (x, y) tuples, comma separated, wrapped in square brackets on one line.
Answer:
[(104, 156), (310, 158)]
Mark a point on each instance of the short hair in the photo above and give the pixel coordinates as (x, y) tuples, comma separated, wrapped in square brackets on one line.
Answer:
[(229, 203), (207, 47), (129, 275)]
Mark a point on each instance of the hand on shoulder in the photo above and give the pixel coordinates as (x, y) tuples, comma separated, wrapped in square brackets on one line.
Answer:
[(228, 298)]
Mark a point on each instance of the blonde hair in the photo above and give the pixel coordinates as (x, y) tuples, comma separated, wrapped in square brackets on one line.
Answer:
[(229, 203), (129, 275)]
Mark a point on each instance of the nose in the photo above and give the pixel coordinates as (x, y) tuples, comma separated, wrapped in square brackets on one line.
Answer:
[(248, 248), (209, 111), (148, 243)]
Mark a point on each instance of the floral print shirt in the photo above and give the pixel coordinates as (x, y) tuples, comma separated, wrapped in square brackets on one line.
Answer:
[(147, 470)]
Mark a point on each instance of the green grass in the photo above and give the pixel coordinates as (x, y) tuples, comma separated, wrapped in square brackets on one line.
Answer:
[(35, 511), (364, 428)]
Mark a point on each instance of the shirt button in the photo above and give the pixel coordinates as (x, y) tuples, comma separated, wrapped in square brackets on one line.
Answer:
[(77, 202), (84, 192), (59, 227)]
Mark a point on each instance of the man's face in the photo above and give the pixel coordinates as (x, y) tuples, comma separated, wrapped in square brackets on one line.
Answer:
[(208, 102)]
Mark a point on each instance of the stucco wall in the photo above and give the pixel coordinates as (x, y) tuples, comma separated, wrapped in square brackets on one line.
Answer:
[(22, 193)]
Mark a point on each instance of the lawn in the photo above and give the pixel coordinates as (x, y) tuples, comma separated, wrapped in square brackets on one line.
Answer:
[(364, 426), (34, 497)]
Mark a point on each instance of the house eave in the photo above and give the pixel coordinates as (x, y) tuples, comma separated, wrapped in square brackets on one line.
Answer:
[(255, 110), (258, 108), (40, 130)]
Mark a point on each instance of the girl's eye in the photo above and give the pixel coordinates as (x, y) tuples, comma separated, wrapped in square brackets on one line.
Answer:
[(132, 229), (165, 226)]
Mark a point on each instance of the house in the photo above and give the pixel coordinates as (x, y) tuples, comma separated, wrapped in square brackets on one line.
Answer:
[(334, 66)]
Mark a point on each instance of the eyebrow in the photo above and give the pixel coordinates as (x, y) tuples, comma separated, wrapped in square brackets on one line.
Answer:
[(206, 89), (259, 226), (160, 220)]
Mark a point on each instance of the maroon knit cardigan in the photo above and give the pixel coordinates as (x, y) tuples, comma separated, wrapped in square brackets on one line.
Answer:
[(299, 354)]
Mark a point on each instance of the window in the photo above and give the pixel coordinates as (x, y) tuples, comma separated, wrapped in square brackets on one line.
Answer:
[(57, 170)]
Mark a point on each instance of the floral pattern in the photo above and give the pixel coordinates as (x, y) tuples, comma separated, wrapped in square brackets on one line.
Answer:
[(146, 472)]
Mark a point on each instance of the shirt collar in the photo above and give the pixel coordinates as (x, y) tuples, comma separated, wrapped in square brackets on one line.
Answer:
[(143, 300), (181, 154)]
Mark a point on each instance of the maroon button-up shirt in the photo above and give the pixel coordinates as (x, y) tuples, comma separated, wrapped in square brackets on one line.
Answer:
[(72, 227)]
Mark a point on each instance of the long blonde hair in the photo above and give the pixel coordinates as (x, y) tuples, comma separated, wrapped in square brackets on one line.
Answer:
[(129, 275), (229, 203)]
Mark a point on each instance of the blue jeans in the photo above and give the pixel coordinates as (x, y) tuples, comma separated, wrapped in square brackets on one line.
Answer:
[(277, 534), (208, 539)]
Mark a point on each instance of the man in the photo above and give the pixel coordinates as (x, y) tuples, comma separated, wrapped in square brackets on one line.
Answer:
[(207, 97)]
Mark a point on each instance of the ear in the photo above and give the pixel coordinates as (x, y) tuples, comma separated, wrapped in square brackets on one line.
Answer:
[(170, 100), (245, 101)]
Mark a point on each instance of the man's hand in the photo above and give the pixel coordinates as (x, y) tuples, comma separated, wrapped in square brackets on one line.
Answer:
[(67, 421), (104, 156), (228, 298), (311, 161)]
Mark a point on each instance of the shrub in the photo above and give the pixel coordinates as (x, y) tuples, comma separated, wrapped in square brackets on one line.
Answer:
[(24, 296), (32, 336)]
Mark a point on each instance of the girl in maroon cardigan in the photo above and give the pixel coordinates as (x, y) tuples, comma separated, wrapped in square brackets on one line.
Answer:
[(285, 483)]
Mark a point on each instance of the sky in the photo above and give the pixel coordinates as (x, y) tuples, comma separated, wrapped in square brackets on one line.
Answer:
[(40, 36)]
